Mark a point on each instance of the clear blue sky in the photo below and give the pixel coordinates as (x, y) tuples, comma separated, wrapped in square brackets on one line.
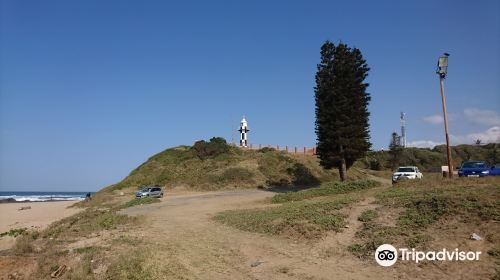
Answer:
[(91, 89)]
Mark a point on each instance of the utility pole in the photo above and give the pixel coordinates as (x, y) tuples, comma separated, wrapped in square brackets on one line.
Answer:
[(442, 70)]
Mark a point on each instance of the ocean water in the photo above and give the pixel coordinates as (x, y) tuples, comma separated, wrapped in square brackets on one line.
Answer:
[(43, 196)]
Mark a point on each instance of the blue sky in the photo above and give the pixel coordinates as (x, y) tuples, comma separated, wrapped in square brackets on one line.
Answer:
[(91, 89)]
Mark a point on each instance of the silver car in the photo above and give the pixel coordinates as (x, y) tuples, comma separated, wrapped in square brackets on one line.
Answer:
[(150, 192)]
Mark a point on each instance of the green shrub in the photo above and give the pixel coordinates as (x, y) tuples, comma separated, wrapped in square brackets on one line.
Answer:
[(216, 146)]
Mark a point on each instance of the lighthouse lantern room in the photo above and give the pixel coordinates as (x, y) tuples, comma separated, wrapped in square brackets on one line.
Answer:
[(243, 133)]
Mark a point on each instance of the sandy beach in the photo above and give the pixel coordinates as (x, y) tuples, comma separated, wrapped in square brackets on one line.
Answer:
[(38, 217)]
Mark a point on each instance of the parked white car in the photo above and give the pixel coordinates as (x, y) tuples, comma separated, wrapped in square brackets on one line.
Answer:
[(406, 172)]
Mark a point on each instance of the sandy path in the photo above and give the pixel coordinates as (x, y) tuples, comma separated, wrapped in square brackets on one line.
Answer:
[(205, 249)]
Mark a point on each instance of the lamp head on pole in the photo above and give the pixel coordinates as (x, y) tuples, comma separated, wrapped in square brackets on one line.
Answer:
[(442, 66)]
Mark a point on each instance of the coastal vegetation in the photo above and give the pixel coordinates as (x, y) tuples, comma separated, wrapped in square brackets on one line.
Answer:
[(430, 160), (306, 213)]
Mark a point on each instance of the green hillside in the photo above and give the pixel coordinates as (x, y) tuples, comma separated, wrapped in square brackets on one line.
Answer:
[(216, 165), (213, 165), (431, 160)]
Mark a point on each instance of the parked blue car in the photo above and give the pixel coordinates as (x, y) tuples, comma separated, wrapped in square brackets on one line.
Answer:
[(474, 169), (495, 170)]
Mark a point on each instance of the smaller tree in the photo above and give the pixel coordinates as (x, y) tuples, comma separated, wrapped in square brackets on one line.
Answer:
[(395, 150)]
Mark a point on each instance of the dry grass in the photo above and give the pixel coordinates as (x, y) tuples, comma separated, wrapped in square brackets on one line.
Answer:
[(425, 202)]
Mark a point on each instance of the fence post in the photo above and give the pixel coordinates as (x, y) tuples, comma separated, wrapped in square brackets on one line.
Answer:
[(286, 148), (304, 150), (295, 149)]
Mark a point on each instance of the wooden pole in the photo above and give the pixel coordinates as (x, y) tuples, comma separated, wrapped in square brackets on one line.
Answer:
[(448, 148)]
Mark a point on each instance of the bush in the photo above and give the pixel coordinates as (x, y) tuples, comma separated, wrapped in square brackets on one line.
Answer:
[(302, 176), (266, 150), (375, 165), (204, 150)]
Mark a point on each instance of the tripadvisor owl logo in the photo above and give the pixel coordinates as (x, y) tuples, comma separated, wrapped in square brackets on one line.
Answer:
[(386, 255)]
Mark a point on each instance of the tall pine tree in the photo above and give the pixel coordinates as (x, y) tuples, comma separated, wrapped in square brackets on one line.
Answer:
[(342, 127)]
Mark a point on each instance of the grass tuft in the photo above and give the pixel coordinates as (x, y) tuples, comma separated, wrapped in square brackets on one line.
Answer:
[(326, 189), (368, 216), (14, 232), (299, 219), (140, 201), (424, 202)]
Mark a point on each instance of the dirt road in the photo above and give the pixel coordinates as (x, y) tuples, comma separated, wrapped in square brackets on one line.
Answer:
[(196, 247)]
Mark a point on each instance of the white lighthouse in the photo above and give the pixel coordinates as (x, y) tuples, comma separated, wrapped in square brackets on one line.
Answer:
[(243, 133)]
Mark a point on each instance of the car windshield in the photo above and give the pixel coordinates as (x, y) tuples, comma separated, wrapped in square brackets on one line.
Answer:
[(146, 189), (406, 169), (474, 165)]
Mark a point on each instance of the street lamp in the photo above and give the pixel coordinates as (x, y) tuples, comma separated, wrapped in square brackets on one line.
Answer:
[(442, 70)]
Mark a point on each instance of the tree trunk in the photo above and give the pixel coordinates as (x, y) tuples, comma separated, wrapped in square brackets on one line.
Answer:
[(342, 167), (342, 170)]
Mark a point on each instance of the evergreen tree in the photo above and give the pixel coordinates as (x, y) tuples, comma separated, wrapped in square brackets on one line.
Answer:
[(395, 150), (341, 107)]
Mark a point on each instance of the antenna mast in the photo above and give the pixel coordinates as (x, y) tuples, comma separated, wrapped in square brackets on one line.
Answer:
[(403, 130)]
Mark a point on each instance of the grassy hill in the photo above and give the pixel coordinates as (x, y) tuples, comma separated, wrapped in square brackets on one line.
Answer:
[(215, 165)]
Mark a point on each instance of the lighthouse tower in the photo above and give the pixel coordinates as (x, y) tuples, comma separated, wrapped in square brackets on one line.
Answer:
[(243, 133)]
